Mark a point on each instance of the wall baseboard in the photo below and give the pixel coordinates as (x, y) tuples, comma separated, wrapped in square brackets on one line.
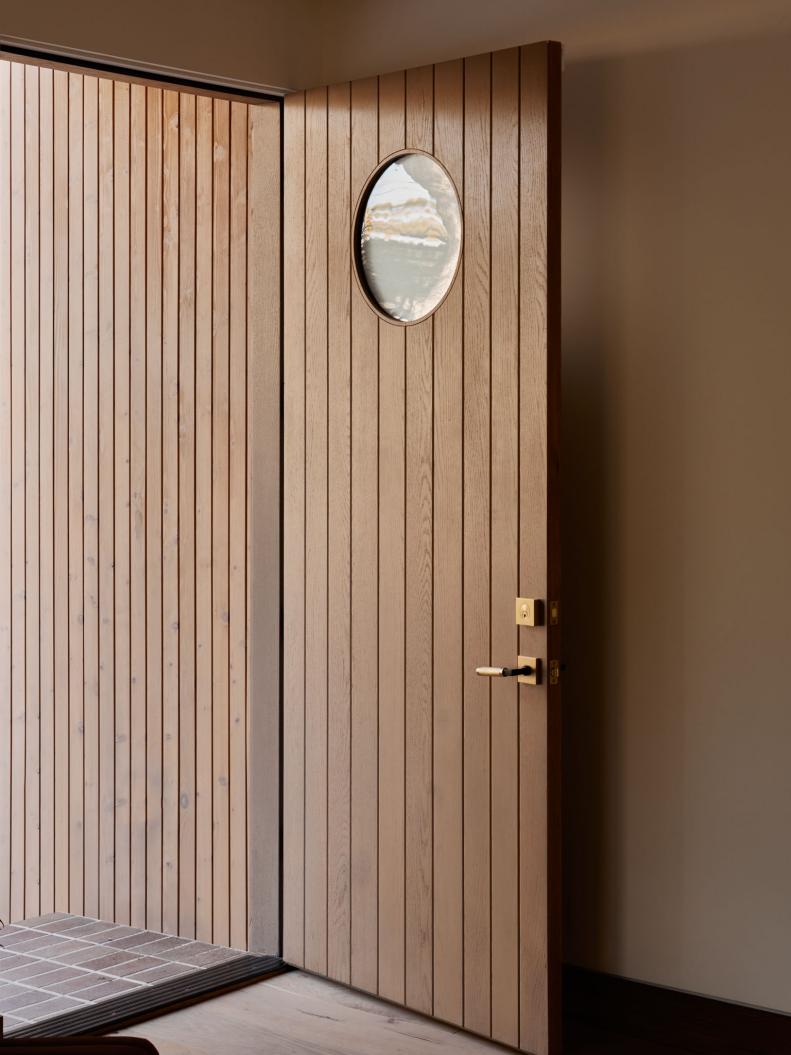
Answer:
[(601, 1009)]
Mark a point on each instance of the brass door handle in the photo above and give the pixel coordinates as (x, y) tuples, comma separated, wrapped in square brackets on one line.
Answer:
[(527, 673), (504, 672)]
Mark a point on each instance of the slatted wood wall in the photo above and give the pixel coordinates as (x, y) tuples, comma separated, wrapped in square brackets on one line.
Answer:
[(139, 482), (420, 802)]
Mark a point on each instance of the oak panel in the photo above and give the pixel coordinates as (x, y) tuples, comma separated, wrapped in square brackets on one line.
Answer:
[(140, 295), (451, 794)]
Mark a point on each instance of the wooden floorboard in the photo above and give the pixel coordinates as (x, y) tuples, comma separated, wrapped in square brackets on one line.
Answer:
[(296, 1013)]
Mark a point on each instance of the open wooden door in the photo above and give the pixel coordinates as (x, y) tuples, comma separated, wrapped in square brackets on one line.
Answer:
[(421, 802)]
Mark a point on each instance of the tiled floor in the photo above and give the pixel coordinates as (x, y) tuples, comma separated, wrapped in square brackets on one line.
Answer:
[(58, 963)]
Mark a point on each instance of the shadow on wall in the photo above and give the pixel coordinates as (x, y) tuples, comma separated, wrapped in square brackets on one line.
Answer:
[(677, 517)]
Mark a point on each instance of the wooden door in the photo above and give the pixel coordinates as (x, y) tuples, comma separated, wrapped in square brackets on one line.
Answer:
[(139, 521), (421, 803)]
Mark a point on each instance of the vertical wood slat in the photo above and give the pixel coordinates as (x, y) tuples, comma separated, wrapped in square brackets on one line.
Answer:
[(60, 528), (186, 517), (170, 510), (505, 543), (17, 492), (339, 535), (86, 423), (539, 394), (364, 578), (154, 695), (392, 597), (220, 383), (204, 152), (477, 542), (47, 490), (316, 526), (451, 822), (83, 676), (32, 446), (419, 651), (294, 533), (137, 492), (5, 486), (264, 488), (106, 508), (131, 315), (18, 644), (237, 518), (121, 523), (448, 607)]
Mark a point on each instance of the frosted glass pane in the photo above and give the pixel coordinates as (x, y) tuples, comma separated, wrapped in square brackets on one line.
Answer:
[(410, 237)]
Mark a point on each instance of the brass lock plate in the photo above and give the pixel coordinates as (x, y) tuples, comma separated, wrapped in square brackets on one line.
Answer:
[(529, 611), (529, 679)]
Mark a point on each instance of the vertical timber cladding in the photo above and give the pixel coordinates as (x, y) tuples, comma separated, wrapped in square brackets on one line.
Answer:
[(420, 802), (139, 376)]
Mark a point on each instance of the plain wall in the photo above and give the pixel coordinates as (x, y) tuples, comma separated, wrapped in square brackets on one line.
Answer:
[(677, 517), (252, 43), (677, 434)]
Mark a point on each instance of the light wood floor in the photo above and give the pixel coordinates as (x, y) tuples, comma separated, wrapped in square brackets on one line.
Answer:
[(297, 1014)]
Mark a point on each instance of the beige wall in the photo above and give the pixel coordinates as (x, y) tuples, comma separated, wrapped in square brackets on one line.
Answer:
[(677, 474), (252, 42), (677, 388)]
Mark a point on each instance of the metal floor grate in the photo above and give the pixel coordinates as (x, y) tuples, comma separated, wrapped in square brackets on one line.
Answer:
[(62, 975)]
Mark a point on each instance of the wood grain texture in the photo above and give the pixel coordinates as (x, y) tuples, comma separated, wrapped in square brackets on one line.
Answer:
[(452, 789), (140, 296), (419, 602), (264, 554), (294, 534), (364, 576), (505, 542), (477, 542), (448, 607), (316, 527), (60, 581), (339, 280), (392, 599), (5, 482)]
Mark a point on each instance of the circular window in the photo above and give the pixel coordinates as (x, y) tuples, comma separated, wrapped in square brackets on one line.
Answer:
[(408, 236)]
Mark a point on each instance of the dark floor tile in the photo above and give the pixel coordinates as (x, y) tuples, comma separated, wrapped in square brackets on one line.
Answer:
[(164, 944), (9, 960), (202, 955), (50, 917), (108, 959), (88, 928), (133, 941), (76, 985), (55, 1005), (163, 973), (38, 941), (60, 974), (89, 952), (64, 926), (113, 932), (66, 946), (113, 987), (11, 1022), (134, 966), (12, 928), (20, 998), (21, 934), (36, 969)]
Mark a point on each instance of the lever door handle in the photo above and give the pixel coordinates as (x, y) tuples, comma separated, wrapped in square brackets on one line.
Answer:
[(504, 672), (527, 673)]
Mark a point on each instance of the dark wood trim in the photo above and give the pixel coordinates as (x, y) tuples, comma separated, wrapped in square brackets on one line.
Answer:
[(605, 1014)]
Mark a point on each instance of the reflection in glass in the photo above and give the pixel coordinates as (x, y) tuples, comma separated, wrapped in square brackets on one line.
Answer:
[(410, 237)]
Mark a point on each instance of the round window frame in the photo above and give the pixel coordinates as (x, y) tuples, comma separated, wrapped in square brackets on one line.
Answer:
[(357, 219)]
